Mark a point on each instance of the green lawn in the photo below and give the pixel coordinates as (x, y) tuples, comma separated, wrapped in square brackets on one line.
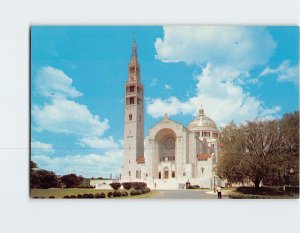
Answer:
[(60, 193)]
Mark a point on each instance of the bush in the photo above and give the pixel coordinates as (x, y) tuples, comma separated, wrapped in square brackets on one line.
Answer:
[(147, 190), (79, 196), (100, 195), (136, 192), (90, 195), (124, 194), (127, 185), (117, 194), (138, 185), (115, 185), (72, 196), (51, 197), (110, 194), (193, 187), (261, 190), (67, 196)]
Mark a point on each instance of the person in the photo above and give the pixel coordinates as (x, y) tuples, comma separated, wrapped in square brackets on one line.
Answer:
[(219, 190)]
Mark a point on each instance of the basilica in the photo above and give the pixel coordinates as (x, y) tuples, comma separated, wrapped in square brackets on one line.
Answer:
[(171, 154)]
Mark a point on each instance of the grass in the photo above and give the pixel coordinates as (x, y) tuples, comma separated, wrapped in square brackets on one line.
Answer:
[(60, 193)]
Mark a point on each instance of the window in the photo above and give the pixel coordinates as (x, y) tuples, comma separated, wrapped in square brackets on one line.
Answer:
[(173, 174), (202, 170), (205, 134), (129, 173), (130, 117), (184, 174), (131, 100), (131, 88), (159, 175)]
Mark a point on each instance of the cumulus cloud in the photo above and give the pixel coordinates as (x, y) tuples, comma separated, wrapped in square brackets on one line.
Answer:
[(64, 116), (216, 91), (226, 55), (284, 72), (103, 143), (240, 48), (41, 148), (89, 165), (52, 82), (68, 117)]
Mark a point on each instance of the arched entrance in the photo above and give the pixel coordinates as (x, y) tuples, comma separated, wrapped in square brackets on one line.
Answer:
[(165, 153), (166, 173)]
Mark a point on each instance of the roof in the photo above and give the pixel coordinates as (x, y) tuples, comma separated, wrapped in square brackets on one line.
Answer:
[(140, 159), (203, 156), (202, 121)]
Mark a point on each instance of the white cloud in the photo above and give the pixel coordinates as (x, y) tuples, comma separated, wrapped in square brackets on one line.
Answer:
[(52, 82), (65, 116), (269, 114), (90, 165), (240, 48), (172, 106), (227, 54), (222, 99), (68, 117), (284, 72), (41, 148), (103, 143), (167, 87)]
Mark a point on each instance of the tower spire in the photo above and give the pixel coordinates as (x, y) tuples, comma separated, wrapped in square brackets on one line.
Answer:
[(133, 51)]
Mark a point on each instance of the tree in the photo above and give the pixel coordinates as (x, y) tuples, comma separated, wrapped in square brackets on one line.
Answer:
[(259, 150), (42, 178), (71, 180)]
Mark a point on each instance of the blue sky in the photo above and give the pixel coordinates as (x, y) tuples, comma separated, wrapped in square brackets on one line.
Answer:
[(78, 76)]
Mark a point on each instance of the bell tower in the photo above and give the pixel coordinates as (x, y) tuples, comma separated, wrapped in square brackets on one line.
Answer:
[(133, 117)]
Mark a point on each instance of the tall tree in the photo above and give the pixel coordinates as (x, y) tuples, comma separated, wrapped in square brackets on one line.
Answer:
[(260, 150)]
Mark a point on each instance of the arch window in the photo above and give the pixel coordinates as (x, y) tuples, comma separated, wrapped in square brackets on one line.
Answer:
[(130, 116)]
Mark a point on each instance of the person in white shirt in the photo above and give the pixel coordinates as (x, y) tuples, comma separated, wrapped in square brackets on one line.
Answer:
[(219, 191)]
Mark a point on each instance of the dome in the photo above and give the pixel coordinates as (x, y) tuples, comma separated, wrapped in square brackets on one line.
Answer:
[(202, 122)]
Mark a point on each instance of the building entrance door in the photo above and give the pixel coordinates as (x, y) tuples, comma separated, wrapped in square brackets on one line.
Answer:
[(166, 175)]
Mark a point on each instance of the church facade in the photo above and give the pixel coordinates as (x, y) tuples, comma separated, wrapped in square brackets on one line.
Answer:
[(171, 154)]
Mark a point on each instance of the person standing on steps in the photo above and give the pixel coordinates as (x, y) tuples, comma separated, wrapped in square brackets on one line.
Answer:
[(219, 191)]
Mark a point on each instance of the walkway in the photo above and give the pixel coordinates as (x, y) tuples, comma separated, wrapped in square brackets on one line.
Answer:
[(186, 194)]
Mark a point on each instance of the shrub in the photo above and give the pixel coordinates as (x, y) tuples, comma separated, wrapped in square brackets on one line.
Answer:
[(124, 194), (261, 190), (90, 195), (138, 185), (72, 196), (147, 190), (110, 194), (127, 185), (117, 194), (192, 186), (136, 192), (79, 196), (67, 196), (51, 197), (115, 185), (100, 195)]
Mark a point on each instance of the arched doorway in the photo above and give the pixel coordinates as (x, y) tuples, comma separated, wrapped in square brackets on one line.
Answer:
[(164, 153), (166, 173)]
